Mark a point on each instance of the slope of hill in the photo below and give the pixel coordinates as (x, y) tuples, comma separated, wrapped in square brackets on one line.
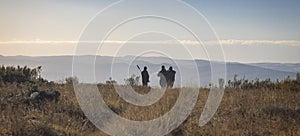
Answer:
[(57, 68), (288, 67)]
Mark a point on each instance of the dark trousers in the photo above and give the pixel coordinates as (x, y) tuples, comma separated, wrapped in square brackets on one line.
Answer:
[(145, 83)]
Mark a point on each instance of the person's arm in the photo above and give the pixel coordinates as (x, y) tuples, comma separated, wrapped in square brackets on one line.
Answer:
[(147, 77)]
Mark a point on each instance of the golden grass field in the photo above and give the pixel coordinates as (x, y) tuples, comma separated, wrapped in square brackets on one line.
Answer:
[(241, 112)]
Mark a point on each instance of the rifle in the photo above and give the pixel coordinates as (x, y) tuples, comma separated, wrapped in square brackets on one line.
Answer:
[(138, 67)]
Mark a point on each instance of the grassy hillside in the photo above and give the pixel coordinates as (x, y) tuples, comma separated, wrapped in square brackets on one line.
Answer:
[(260, 111)]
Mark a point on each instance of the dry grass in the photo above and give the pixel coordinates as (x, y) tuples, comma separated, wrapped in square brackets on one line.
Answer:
[(242, 112)]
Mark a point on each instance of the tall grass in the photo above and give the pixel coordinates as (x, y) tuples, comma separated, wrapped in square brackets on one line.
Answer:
[(242, 112)]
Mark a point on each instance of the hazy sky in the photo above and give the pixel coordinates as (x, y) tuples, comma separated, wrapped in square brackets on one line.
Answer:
[(249, 31)]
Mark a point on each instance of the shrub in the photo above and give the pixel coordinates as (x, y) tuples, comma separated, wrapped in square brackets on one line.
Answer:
[(133, 80), (71, 80), (11, 74), (111, 81), (286, 84)]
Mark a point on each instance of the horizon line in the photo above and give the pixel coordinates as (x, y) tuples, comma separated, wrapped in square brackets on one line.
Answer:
[(226, 61), (169, 42)]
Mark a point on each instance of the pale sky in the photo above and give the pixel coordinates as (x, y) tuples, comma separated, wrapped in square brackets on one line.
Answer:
[(249, 31)]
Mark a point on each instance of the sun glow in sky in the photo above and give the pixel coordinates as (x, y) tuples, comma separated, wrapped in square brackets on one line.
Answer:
[(249, 31)]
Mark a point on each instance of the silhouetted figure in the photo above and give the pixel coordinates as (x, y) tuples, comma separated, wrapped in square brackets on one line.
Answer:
[(162, 74), (145, 77), (170, 77)]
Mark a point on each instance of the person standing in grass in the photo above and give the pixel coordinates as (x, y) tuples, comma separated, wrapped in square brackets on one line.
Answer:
[(162, 74), (145, 77), (170, 77)]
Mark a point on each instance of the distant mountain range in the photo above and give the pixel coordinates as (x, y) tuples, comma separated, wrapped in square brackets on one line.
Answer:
[(56, 68)]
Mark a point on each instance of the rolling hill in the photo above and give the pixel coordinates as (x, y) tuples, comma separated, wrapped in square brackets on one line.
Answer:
[(56, 68)]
